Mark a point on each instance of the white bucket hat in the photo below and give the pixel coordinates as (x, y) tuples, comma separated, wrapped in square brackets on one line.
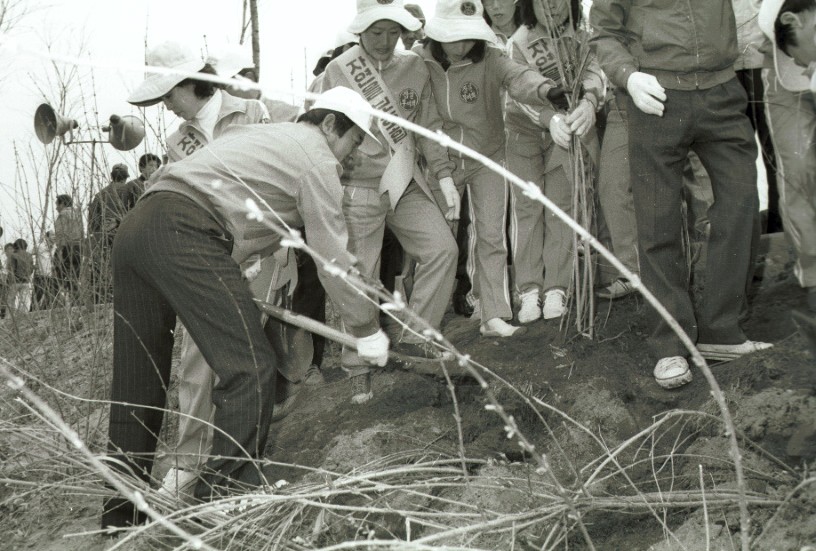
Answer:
[(170, 55), (371, 11), (768, 12), (791, 76), (344, 37), (416, 11), (341, 39), (230, 60), (351, 104), (456, 20)]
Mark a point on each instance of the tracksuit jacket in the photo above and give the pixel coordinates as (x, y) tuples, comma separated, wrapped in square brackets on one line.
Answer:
[(469, 96), (520, 117), (408, 79)]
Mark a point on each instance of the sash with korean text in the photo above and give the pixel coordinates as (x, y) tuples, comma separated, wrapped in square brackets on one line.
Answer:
[(365, 79)]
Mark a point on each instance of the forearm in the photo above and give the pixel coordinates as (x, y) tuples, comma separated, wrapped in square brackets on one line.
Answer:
[(435, 154), (609, 41), (593, 83)]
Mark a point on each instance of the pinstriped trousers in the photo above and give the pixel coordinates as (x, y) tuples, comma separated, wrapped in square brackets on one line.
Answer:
[(171, 258)]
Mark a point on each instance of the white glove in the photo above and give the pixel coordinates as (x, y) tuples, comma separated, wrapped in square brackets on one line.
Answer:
[(560, 131), (451, 197), (252, 267), (582, 118), (374, 348), (647, 93)]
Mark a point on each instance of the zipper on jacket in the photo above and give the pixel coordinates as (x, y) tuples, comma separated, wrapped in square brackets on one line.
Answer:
[(450, 115), (447, 95)]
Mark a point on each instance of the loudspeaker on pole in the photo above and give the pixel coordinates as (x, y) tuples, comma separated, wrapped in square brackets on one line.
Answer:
[(126, 132), (48, 124)]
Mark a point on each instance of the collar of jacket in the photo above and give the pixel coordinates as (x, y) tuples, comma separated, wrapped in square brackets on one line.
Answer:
[(229, 105), (426, 55), (391, 60)]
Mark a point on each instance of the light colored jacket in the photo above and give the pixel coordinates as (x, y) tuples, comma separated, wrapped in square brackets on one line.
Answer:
[(749, 36), (189, 137), (290, 168), (68, 227), (469, 96), (408, 80), (529, 122)]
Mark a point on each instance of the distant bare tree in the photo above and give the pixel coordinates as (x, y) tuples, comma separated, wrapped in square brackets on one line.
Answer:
[(251, 7)]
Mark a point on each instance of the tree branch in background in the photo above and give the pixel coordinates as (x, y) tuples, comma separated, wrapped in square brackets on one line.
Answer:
[(256, 38)]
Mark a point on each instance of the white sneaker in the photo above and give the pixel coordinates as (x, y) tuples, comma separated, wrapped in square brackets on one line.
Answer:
[(497, 327), (530, 307), (672, 372), (728, 352), (555, 304), (178, 482)]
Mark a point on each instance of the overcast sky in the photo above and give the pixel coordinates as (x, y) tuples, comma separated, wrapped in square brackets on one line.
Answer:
[(115, 31)]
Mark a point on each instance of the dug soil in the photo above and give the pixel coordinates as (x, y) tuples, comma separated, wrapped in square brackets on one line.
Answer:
[(590, 397)]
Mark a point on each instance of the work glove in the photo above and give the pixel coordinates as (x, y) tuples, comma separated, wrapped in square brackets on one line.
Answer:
[(374, 348), (451, 197), (251, 267), (647, 93), (557, 96), (560, 131), (582, 118)]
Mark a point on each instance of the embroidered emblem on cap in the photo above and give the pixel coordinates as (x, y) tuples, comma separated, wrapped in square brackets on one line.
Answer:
[(468, 8), (469, 93), (408, 99), (383, 2)]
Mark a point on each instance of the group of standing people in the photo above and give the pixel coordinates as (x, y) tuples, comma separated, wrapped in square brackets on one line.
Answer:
[(16, 278), (522, 83), (52, 274), (31, 280)]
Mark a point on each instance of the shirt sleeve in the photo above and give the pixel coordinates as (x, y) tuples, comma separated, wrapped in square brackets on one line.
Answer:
[(541, 116), (59, 230), (610, 39), (526, 87), (320, 198), (435, 153)]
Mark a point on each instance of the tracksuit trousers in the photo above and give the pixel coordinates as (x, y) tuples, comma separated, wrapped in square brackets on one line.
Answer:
[(424, 235), (487, 241)]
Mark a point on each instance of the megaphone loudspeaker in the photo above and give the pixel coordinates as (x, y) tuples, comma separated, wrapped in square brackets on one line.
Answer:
[(48, 124), (125, 132)]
